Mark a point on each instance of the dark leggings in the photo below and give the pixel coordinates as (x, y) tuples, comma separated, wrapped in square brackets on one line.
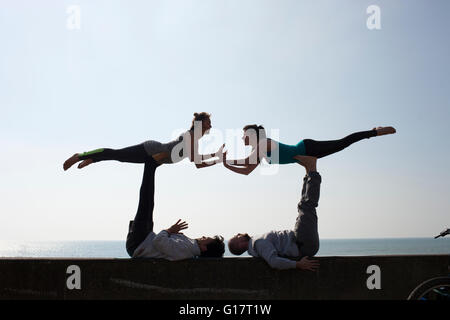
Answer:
[(320, 149), (142, 224), (133, 154)]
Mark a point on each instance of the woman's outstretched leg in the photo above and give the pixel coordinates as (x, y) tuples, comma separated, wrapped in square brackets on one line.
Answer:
[(320, 149), (133, 154)]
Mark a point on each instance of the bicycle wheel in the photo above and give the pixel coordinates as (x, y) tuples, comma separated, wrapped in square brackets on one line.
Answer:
[(432, 289)]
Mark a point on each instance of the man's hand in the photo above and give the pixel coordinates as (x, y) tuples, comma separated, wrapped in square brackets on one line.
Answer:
[(307, 264), (177, 227)]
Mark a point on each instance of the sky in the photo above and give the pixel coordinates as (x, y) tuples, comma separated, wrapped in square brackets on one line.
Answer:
[(120, 73)]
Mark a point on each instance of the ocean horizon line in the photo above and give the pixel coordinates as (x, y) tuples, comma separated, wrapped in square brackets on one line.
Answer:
[(116, 240)]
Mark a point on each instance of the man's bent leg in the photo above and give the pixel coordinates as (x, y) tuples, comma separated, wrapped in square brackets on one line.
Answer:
[(143, 222), (306, 225)]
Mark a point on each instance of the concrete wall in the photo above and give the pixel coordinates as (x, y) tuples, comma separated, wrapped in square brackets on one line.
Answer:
[(228, 278)]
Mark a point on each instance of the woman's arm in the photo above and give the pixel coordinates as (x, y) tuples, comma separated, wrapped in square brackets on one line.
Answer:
[(246, 169), (207, 156), (240, 162), (205, 164), (217, 154), (251, 159), (195, 156), (237, 164)]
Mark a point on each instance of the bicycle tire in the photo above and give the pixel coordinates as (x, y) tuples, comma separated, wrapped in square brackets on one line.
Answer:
[(427, 286)]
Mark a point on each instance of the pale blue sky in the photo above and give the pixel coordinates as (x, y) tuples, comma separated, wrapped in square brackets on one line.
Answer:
[(138, 71)]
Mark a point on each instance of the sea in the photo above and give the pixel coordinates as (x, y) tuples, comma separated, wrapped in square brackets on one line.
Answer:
[(328, 247)]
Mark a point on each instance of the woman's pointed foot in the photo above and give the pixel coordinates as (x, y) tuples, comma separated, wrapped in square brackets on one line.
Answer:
[(85, 163), (71, 161), (381, 131)]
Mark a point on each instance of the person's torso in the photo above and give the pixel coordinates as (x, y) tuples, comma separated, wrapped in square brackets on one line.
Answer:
[(176, 150), (284, 153), (182, 247), (284, 243)]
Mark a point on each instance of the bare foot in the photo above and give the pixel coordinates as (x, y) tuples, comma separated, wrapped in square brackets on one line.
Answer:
[(381, 131), (308, 162), (85, 163), (71, 161)]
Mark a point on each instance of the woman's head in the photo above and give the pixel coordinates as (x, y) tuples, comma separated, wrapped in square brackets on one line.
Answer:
[(204, 118), (253, 133)]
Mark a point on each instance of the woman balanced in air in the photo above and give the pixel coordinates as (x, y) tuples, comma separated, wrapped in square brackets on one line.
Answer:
[(280, 153), (185, 146)]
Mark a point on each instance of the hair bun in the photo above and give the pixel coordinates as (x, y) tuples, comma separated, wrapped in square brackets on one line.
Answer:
[(195, 114)]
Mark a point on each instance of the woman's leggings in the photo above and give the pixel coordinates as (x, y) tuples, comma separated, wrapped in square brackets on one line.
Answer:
[(133, 154), (320, 149)]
